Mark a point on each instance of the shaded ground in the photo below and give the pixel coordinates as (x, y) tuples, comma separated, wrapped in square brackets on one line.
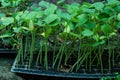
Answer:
[(6, 61)]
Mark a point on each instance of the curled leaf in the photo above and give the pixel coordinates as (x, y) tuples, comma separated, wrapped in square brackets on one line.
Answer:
[(31, 25)]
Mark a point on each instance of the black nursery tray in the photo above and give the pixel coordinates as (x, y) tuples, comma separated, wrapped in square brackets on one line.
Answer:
[(60, 74), (5, 50), (39, 70)]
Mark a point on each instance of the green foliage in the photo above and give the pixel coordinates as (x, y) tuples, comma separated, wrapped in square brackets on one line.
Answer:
[(7, 20), (81, 28)]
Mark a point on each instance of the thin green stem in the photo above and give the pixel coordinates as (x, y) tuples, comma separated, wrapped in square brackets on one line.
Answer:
[(100, 57), (70, 52), (32, 48), (46, 55), (109, 55), (54, 49), (57, 56), (61, 56), (113, 57), (39, 57)]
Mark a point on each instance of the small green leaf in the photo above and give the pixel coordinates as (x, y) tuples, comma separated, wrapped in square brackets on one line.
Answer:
[(44, 4), (82, 19), (17, 30), (5, 4), (117, 8), (47, 32), (73, 34), (73, 8), (39, 23), (87, 10), (31, 15), (98, 43), (96, 37), (50, 18), (72, 26), (55, 23), (18, 15), (90, 25), (63, 15), (108, 10), (60, 2), (86, 4), (2, 15), (112, 34), (102, 37), (113, 2), (98, 5), (118, 25), (87, 32), (7, 20), (51, 9), (106, 29), (118, 16)]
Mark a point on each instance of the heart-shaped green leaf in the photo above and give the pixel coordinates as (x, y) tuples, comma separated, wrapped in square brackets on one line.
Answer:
[(44, 4), (87, 32), (51, 9), (113, 2), (50, 18), (106, 29), (82, 19), (7, 20), (98, 5)]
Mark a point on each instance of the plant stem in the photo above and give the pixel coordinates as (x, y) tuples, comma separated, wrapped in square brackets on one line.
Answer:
[(39, 55), (62, 52), (87, 52), (32, 48), (113, 57), (57, 56), (89, 62), (54, 49), (100, 57), (26, 47), (80, 61), (19, 53), (46, 55), (79, 50), (68, 56), (109, 56)]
